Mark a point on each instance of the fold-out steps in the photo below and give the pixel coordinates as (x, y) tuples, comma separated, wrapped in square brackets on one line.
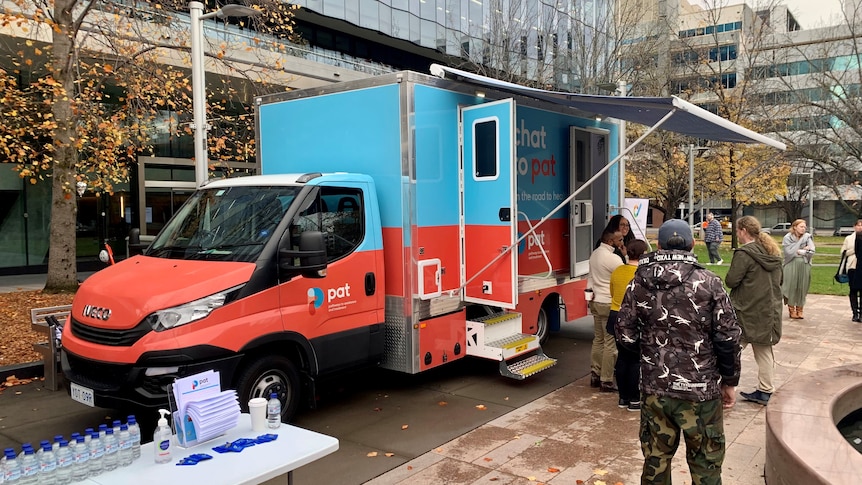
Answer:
[(524, 368), (499, 337)]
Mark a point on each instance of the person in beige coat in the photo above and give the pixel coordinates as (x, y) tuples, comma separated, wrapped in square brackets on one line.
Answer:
[(849, 250)]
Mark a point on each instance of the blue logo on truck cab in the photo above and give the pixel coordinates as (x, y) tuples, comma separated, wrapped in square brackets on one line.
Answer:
[(315, 295)]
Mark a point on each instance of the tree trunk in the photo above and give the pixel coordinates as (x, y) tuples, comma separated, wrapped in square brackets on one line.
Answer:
[(62, 268)]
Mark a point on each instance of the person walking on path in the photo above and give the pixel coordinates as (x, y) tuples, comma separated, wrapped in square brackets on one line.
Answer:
[(798, 250), (754, 279), (849, 250), (603, 355), (713, 236), (678, 315), (628, 363)]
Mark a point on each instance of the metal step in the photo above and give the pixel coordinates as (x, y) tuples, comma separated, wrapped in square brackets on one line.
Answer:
[(526, 367)]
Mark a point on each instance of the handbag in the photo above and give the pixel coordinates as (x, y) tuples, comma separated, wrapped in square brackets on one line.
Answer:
[(841, 276)]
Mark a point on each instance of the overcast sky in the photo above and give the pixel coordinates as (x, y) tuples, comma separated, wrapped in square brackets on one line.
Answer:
[(809, 13), (814, 13)]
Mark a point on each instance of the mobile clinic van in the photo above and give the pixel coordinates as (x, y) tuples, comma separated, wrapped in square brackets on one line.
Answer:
[(405, 221)]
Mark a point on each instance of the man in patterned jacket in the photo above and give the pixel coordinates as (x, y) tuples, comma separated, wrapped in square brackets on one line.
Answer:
[(678, 316)]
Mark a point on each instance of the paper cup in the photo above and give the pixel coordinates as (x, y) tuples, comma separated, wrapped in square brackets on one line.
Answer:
[(257, 409)]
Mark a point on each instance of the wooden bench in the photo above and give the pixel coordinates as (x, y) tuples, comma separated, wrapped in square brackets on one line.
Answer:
[(49, 320)]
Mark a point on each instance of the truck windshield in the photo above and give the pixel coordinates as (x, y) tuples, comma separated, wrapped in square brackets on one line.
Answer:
[(224, 224)]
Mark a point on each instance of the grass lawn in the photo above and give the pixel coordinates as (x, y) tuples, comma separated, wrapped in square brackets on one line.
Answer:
[(822, 281)]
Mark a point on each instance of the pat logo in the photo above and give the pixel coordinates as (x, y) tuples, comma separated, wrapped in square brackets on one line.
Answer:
[(195, 385), (315, 297)]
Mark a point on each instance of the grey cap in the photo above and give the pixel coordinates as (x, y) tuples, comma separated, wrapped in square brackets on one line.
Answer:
[(675, 234)]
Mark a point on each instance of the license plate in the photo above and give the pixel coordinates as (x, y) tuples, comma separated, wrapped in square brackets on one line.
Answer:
[(83, 395)]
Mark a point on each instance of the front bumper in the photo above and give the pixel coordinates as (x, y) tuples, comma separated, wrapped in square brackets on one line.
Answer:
[(120, 386)]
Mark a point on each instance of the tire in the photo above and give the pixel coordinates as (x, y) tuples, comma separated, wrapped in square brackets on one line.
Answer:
[(269, 374), (542, 329)]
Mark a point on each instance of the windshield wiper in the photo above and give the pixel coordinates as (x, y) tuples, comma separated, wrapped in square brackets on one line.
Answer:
[(222, 247), (170, 249)]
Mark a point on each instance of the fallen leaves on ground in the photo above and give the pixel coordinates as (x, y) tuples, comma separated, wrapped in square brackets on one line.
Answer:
[(405, 426), (481, 407), (16, 343), (371, 454), (12, 381)]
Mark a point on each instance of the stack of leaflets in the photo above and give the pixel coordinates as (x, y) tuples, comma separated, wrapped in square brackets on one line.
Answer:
[(203, 411)]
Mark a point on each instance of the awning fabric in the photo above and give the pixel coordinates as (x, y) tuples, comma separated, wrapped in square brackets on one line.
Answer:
[(687, 119)]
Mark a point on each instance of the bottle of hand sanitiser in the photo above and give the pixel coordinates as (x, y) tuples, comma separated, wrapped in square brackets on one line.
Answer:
[(162, 439)]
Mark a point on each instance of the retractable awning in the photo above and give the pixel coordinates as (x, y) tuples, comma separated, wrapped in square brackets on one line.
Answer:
[(685, 118)]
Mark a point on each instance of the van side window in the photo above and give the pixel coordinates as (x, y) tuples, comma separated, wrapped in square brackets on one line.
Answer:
[(338, 213)]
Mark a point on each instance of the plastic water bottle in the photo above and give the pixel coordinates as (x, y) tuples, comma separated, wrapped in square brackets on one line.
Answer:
[(47, 465), (65, 460), (135, 434), (273, 411), (29, 467), (111, 459), (11, 468), (97, 451), (81, 455), (103, 429), (124, 455), (56, 444), (88, 433), (116, 425)]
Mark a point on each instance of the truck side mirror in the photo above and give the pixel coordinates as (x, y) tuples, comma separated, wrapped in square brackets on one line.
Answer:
[(310, 257)]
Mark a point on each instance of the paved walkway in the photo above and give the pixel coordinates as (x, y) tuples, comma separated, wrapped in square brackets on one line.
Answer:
[(578, 435)]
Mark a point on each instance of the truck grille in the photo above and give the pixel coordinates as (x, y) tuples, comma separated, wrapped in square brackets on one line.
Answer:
[(96, 375), (117, 338)]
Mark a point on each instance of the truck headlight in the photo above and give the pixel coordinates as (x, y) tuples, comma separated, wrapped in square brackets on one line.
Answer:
[(189, 312)]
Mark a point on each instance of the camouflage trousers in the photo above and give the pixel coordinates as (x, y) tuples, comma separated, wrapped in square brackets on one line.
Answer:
[(701, 424)]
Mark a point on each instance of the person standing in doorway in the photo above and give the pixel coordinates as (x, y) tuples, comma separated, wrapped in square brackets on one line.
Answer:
[(677, 314), (603, 356), (798, 250), (620, 224), (754, 279), (713, 237), (850, 250)]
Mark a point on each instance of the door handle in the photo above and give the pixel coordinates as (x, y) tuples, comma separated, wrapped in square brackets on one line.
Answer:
[(370, 284)]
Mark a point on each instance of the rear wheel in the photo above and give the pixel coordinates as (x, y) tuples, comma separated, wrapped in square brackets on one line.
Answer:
[(542, 330), (267, 375)]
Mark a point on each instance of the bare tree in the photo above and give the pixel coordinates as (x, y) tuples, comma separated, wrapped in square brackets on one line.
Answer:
[(707, 63), (562, 45), (816, 102)]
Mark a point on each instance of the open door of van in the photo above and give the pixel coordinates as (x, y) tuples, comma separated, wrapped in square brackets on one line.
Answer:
[(488, 211)]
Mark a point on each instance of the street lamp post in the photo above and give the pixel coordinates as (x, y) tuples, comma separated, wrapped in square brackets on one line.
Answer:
[(691, 149), (690, 185), (810, 199), (199, 77)]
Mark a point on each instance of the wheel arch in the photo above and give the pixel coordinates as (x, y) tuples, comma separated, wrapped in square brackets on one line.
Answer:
[(288, 344)]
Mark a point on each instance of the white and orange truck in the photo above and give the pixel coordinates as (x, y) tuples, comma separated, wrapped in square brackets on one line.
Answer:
[(406, 221)]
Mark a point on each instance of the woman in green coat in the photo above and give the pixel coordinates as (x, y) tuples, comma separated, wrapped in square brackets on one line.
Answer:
[(754, 279)]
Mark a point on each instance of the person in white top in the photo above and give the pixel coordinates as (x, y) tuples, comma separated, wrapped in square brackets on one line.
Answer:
[(603, 357), (848, 249)]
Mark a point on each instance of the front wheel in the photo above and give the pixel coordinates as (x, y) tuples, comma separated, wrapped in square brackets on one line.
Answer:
[(267, 375)]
